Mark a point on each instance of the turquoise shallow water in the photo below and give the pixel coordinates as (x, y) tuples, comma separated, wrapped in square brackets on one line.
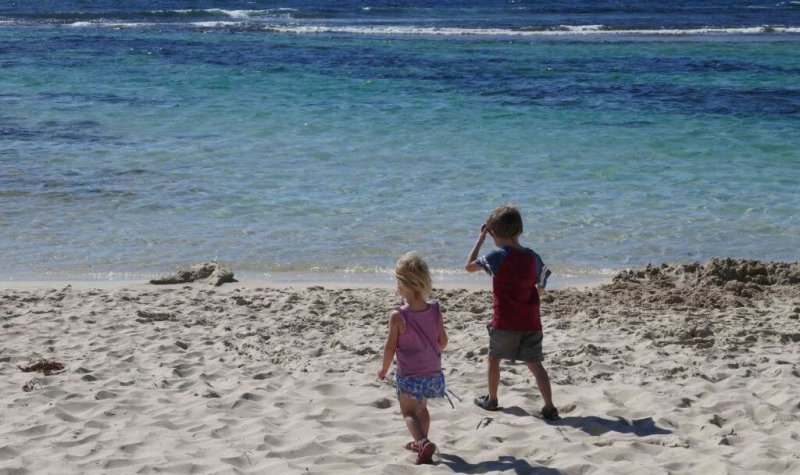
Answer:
[(128, 151)]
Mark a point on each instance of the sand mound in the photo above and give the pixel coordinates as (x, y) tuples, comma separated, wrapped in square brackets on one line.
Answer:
[(717, 273), (717, 284)]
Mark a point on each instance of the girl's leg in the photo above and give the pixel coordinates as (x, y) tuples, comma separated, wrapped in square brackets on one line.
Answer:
[(424, 417), (410, 408), (415, 414)]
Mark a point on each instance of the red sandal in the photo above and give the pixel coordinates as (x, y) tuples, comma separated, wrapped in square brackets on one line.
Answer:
[(425, 451), (412, 446)]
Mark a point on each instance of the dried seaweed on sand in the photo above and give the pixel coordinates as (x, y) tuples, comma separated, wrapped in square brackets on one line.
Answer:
[(43, 366)]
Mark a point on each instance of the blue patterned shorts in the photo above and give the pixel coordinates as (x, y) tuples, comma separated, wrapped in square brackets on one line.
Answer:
[(421, 387)]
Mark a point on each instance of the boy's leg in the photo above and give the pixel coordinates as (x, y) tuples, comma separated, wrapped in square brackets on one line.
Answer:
[(493, 376), (543, 381), (410, 408)]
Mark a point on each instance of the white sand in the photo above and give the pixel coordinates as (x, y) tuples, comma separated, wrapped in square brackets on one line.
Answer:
[(195, 379)]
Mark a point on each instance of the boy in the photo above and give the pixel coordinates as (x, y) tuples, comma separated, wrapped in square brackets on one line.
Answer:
[(515, 332)]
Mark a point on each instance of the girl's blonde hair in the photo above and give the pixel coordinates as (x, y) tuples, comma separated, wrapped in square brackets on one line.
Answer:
[(412, 272)]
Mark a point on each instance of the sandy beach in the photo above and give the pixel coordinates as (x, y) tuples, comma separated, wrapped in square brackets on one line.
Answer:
[(669, 369)]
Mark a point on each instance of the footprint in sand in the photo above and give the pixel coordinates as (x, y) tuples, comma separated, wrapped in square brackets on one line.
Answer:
[(103, 394), (382, 403), (7, 453)]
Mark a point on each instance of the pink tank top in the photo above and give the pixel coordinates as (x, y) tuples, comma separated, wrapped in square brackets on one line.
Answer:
[(418, 352)]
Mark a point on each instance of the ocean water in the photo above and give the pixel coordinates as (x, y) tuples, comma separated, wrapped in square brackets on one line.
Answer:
[(327, 138)]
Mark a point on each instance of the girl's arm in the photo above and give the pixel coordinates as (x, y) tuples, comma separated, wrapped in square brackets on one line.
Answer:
[(389, 349), (442, 335)]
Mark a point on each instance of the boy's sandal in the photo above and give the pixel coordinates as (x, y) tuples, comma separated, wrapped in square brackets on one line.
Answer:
[(550, 413), (485, 403), (412, 446), (425, 451)]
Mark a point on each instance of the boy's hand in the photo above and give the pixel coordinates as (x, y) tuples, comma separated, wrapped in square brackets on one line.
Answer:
[(382, 373), (471, 266), (484, 231)]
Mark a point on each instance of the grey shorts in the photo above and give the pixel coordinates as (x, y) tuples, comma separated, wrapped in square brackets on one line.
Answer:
[(511, 345)]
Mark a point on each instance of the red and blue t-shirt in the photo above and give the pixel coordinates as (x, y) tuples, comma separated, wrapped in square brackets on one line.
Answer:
[(515, 275)]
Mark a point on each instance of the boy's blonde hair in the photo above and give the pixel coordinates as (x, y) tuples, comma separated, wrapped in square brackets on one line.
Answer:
[(505, 222), (413, 273)]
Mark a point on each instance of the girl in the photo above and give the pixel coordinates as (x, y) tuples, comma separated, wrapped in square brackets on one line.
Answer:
[(416, 334)]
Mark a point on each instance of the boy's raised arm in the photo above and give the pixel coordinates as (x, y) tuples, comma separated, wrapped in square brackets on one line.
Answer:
[(471, 266)]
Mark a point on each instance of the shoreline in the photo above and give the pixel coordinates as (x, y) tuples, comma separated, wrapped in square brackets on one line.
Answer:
[(304, 281)]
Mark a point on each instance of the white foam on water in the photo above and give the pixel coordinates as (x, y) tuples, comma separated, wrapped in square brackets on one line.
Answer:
[(240, 14), (561, 31), (237, 14), (111, 24), (215, 24), (564, 30), (582, 28)]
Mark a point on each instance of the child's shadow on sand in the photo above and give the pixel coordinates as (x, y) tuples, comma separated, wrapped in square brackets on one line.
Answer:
[(502, 464), (514, 411), (594, 425)]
